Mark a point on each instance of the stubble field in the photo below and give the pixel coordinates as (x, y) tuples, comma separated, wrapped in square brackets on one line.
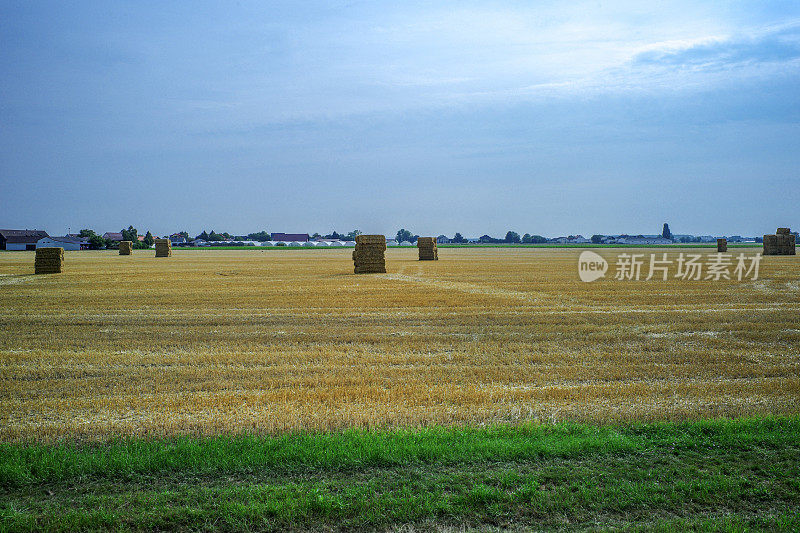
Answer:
[(216, 342)]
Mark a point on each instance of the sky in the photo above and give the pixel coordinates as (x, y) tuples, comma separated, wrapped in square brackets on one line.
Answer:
[(541, 117)]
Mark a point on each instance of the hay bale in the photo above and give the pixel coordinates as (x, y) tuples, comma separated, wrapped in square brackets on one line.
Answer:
[(163, 248), (785, 244), (48, 260), (428, 250), (125, 247), (770, 245), (368, 256), (783, 231), (722, 245)]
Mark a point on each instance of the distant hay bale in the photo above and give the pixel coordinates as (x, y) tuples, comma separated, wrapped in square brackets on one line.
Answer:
[(785, 244), (428, 250), (125, 247), (722, 245), (782, 243), (368, 256), (49, 260), (770, 245), (163, 248)]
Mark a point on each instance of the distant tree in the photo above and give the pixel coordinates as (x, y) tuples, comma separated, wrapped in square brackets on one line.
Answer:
[(261, 236), (597, 239), (666, 233), (457, 238), (488, 239), (796, 237), (526, 238), (148, 239), (512, 237), (333, 235), (538, 239), (96, 242), (315, 236), (86, 233), (215, 236), (184, 234), (203, 236), (353, 234), (130, 234), (404, 235)]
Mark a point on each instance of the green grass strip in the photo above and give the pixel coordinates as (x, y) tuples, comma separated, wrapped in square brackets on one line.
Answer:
[(727, 475)]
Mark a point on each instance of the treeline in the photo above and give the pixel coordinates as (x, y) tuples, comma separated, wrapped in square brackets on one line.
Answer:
[(97, 242), (512, 237)]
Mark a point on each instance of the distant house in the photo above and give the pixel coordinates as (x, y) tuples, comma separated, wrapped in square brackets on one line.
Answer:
[(442, 239), (20, 239), (643, 240), (291, 237), (112, 236), (67, 243), (572, 239), (177, 240), (391, 242)]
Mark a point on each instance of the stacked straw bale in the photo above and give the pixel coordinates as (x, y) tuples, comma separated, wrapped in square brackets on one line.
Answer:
[(49, 260), (369, 254), (163, 248), (770, 245), (125, 247), (427, 249), (782, 243), (722, 245)]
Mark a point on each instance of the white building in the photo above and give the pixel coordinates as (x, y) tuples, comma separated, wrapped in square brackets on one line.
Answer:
[(67, 243), (20, 239)]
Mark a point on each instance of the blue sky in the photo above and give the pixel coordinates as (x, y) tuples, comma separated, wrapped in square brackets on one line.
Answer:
[(544, 117)]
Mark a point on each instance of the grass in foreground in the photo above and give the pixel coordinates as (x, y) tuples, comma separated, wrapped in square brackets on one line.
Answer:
[(726, 474)]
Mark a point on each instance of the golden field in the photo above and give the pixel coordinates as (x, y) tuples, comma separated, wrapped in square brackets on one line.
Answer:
[(211, 341)]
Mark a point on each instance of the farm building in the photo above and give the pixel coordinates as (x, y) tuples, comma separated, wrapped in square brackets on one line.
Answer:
[(67, 243), (20, 239), (291, 237), (644, 240), (113, 236)]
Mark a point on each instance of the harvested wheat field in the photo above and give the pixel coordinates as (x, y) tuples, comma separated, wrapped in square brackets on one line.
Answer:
[(265, 341)]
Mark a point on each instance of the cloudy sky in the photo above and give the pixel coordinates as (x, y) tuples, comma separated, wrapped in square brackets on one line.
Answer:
[(543, 117)]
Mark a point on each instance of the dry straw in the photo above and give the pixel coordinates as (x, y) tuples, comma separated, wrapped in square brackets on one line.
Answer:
[(722, 245), (368, 256), (427, 249), (782, 243), (49, 260), (125, 247), (163, 248)]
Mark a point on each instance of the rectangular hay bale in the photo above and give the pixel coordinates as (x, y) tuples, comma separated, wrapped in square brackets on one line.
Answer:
[(49, 260)]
